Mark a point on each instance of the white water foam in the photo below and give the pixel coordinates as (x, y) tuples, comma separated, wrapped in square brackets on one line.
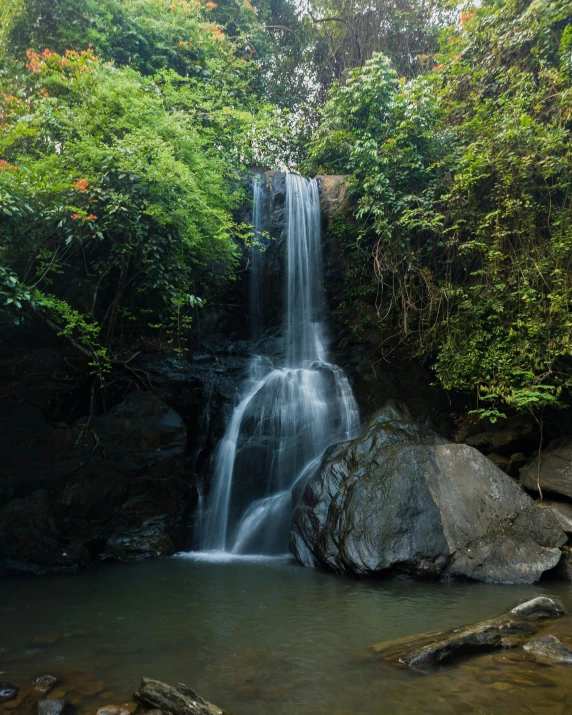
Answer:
[(288, 414)]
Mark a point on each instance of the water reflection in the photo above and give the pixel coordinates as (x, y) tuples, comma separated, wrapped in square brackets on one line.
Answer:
[(261, 636)]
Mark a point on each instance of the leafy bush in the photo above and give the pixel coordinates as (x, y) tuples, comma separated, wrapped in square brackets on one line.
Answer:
[(463, 180)]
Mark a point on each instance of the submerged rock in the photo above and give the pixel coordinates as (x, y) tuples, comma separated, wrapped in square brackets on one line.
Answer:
[(505, 631), (7, 692), (45, 683), (55, 706), (400, 497), (549, 647), (179, 700), (113, 710)]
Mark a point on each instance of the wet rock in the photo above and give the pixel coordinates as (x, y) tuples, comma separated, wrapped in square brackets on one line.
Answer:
[(538, 608), (505, 631), (7, 692), (179, 700), (565, 565), (561, 510), (549, 647), (334, 195), (54, 706), (400, 497), (552, 471), (113, 710), (45, 683)]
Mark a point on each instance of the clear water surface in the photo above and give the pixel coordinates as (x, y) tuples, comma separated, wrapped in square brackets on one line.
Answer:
[(265, 636)]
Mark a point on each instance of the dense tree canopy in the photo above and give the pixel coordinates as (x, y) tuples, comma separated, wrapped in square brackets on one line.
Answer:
[(126, 127), (120, 170), (463, 182)]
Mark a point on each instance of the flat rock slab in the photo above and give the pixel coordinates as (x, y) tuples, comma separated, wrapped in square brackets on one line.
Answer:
[(550, 647), (179, 700), (506, 631)]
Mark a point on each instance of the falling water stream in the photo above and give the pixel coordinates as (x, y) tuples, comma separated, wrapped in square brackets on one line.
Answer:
[(289, 413)]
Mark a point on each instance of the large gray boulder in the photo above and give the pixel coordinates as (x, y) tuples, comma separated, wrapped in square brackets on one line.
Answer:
[(552, 470), (400, 497)]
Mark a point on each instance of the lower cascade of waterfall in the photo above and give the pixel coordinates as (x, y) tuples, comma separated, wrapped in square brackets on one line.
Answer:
[(289, 414)]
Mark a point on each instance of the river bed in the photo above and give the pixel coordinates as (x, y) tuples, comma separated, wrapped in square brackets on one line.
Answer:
[(265, 636)]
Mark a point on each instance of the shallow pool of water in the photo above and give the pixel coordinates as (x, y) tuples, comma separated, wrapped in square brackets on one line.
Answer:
[(264, 636)]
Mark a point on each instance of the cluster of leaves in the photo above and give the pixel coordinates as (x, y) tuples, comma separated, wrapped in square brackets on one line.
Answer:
[(463, 180), (118, 183)]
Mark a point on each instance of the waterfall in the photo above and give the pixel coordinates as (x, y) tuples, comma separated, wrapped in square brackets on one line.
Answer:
[(289, 414)]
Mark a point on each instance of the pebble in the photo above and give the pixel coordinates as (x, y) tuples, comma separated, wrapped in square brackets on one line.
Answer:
[(7, 692)]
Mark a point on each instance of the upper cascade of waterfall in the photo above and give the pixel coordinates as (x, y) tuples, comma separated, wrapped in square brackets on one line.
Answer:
[(289, 413), (304, 300)]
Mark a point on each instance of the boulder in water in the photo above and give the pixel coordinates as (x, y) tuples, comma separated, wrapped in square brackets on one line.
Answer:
[(506, 631), (179, 700), (400, 497)]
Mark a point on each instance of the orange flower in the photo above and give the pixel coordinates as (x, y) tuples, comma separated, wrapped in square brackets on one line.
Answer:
[(466, 16), (75, 217), (210, 5), (438, 67), (4, 166), (91, 217), (81, 185)]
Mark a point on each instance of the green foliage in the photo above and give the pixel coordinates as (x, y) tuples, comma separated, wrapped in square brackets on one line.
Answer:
[(348, 34), (119, 175), (462, 179)]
